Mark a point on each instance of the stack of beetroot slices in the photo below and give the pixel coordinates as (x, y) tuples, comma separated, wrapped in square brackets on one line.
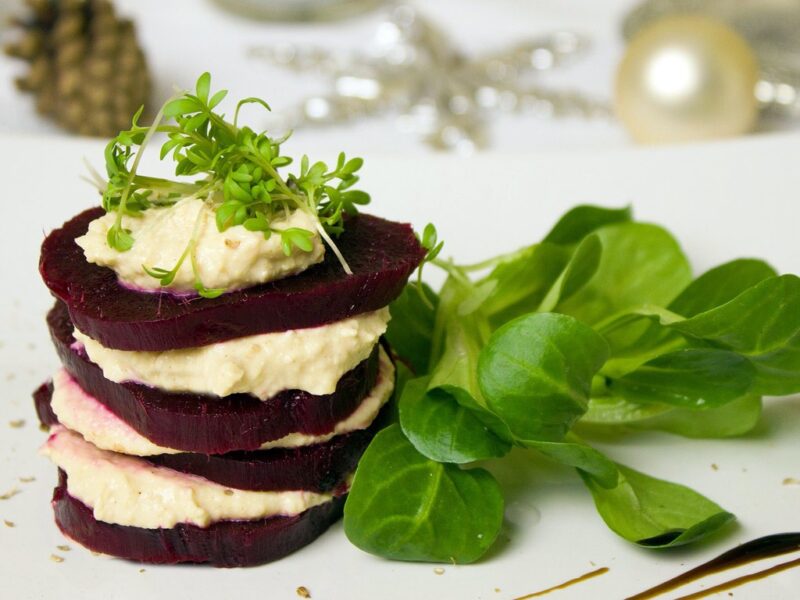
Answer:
[(185, 476)]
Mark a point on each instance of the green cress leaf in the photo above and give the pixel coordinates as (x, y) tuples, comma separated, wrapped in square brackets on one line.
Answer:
[(763, 323), (228, 162), (120, 239), (203, 86), (444, 430), (581, 267), (410, 331), (689, 378), (536, 371), (404, 506), (580, 221), (655, 513), (720, 285), (641, 264), (732, 419)]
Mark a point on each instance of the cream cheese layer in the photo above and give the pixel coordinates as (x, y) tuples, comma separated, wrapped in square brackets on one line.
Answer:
[(129, 491), (312, 360), (231, 259), (84, 414)]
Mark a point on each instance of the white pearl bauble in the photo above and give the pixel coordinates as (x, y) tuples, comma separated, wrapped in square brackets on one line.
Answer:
[(687, 78)]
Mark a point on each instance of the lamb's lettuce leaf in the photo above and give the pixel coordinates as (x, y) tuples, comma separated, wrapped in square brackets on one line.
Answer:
[(580, 221), (598, 327), (444, 430), (536, 372), (641, 264), (405, 506), (411, 328), (655, 513)]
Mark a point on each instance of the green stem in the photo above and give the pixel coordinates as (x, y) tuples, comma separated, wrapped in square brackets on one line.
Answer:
[(147, 137)]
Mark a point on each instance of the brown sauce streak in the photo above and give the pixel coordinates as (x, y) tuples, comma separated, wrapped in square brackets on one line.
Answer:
[(566, 584), (729, 585), (752, 551)]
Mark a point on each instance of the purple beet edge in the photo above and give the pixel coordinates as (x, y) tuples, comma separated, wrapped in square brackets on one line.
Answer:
[(316, 468), (209, 424), (382, 255), (223, 544)]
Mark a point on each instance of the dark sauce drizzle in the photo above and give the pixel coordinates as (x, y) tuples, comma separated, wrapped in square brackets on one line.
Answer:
[(729, 585), (754, 550), (566, 584)]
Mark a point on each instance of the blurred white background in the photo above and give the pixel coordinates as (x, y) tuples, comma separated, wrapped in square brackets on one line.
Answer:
[(182, 38)]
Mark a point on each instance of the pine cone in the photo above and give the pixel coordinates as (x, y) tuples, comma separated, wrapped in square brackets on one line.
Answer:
[(87, 70)]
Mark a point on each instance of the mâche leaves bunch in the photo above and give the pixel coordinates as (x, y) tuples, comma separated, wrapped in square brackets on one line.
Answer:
[(599, 326), (234, 169)]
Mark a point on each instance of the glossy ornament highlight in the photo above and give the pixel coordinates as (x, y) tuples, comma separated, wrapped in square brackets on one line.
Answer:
[(687, 78)]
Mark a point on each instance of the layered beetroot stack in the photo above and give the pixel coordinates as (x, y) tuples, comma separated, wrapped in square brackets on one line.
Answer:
[(220, 430)]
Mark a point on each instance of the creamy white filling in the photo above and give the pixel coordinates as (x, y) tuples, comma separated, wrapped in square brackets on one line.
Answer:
[(128, 491), (312, 359), (84, 414), (361, 418), (231, 259)]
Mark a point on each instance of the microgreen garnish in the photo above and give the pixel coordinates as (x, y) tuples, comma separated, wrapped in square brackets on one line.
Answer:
[(429, 241), (235, 170)]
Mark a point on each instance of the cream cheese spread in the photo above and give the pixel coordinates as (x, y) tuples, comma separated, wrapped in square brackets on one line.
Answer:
[(231, 259), (84, 414), (312, 360), (129, 491)]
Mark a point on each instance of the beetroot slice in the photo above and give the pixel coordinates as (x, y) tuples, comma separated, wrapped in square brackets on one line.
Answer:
[(209, 424), (316, 468), (223, 544), (382, 254), (41, 402)]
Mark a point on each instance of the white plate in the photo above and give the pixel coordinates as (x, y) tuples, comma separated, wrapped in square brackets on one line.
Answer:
[(722, 201)]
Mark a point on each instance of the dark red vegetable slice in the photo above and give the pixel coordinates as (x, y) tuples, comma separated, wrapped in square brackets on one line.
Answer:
[(316, 468), (41, 402), (223, 544), (209, 424), (382, 254)]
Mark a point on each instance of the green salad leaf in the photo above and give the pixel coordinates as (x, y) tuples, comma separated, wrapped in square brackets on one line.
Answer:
[(691, 378), (734, 418), (599, 328), (586, 459), (762, 323), (580, 269), (536, 372), (579, 222), (641, 264), (444, 430), (410, 331), (405, 506), (520, 283), (720, 285), (654, 513)]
